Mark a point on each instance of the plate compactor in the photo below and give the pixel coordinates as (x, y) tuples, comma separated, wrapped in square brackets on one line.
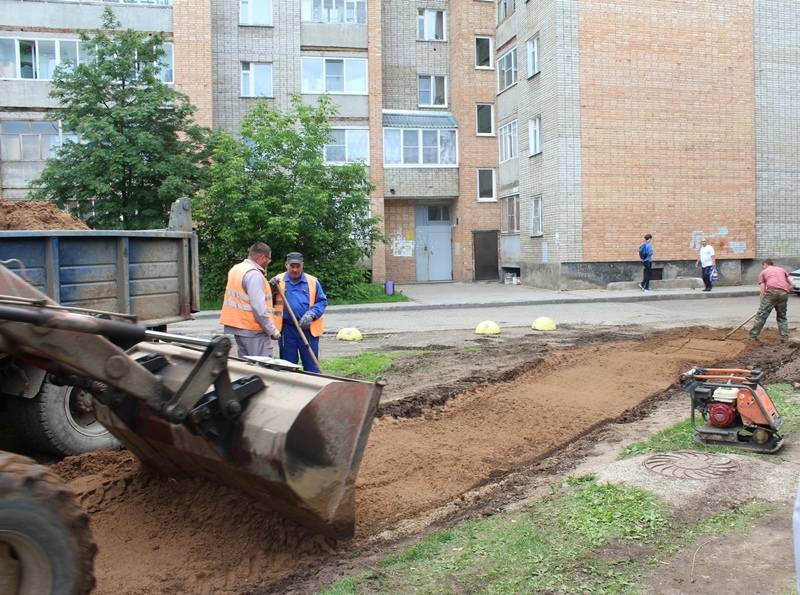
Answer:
[(735, 408), (290, 439)]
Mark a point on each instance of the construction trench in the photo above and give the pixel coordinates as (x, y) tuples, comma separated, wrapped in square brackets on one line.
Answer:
[(465, 418)]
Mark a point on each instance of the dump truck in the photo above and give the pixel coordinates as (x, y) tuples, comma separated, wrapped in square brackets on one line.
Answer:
[(292, 440), (149, 277)]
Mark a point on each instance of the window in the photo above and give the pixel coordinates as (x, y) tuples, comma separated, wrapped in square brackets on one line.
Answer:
[(352, 12), (509, 214), (505, 8), (483, 52), (535, 135), (431, 25), (35, 58), (432, 91), (256, 79), (24, 140), (507, 67), (334, 75), (167, 71), (508, 141), (439, 213), (255, 12), (348, 145), (412, 146), (533, 55), (536, 216), (486, 185), (484, 116)]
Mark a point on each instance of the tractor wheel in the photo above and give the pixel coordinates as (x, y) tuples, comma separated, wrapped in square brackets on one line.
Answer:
[(60, 420), (45, 542)]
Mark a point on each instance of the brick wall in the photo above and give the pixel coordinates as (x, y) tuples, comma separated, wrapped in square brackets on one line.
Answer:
[(399, 226), (667, 127), (191, 23), (375, 74), (777, 88)]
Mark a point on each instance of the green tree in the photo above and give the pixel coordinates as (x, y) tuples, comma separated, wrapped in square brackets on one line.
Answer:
[(139, 148), (273, 185)]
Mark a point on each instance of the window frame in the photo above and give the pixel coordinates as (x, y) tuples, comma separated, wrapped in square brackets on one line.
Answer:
[(535, 134), (422, 13), (309, 5), (477, 121), (480, 198), (507, 12), (17, 66), (420, 145), (325, 59), (537, 215), (491, 52), (432, 80), (60, 134), (533, 43), (513, 140), (501, 70), (505, 228), (347, 130), (249, 22), (252, 80)]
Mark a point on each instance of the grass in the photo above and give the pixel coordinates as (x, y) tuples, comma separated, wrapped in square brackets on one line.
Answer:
[(366, 293), (578, 541), (681, 436), (365, 366)]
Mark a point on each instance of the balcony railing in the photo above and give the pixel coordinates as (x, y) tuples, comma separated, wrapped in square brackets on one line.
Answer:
[(131, 2)]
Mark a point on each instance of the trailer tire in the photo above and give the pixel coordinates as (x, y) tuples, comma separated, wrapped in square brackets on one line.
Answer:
[(46, 545), (59, 420)]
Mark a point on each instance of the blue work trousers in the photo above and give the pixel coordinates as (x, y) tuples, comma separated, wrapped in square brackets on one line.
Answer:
[(291, 345)]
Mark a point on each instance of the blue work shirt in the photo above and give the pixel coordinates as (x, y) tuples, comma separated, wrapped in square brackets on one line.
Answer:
[(297, 296), (648, 251)]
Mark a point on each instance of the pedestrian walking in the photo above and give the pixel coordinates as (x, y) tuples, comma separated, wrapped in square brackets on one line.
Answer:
[(707, 260), (308, 302), (646, 256), (774, 286), (247, 306)]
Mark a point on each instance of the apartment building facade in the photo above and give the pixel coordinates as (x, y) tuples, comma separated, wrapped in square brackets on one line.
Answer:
[(625, 117)]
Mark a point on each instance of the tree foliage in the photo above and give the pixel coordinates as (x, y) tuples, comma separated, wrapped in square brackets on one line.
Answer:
[(273, 185), (139, 148)]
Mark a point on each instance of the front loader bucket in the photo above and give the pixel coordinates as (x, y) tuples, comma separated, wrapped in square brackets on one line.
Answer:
[(296, 447)]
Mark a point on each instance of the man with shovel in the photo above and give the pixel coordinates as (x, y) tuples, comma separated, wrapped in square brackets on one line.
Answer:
[(300, 303), (775, 287)]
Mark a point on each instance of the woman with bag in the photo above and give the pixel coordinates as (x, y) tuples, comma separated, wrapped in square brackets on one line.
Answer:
[(707, 259)]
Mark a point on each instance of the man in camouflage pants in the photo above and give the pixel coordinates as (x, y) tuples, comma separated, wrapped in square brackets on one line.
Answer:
[(775, 286)]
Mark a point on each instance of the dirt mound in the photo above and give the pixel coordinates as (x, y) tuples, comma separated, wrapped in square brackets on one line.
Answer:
[(168, 536), (35, 214)]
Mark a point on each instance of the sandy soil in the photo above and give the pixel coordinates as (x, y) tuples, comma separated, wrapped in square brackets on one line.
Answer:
[(465, 421), (36, 214)]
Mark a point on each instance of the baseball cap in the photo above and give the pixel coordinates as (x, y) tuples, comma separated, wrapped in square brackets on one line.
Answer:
[(294, 258)]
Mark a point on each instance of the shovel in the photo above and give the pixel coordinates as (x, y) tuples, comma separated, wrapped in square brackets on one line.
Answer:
[(725, 338), (297, 326)]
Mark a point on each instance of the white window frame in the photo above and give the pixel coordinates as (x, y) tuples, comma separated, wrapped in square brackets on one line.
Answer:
[(491, 52), (250, 92), (169, 51), (62, 137), (503, 10), (323, 89), (315, 11), (432, 80), (533, 55), (509, 141), (477, 132), (534, 136), (246, 13), (537, 221), (422, 13), (504, 211), (492, 198), (347, 130), (18, 67), (502, 70), (419, 164)]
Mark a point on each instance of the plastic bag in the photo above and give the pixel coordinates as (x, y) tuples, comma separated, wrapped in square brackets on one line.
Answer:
[(714, 273)]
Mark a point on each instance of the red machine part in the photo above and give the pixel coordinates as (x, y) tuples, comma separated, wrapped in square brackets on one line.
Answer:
[(721, 415)]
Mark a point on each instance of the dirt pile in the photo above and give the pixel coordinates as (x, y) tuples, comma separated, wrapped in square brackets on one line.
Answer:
[(168, 536), (35, 214)]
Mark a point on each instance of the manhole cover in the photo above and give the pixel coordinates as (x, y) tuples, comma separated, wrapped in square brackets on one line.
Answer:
[(690, 465)]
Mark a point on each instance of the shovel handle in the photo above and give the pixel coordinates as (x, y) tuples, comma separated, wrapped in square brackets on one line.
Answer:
[(738, 327), (288, 307)]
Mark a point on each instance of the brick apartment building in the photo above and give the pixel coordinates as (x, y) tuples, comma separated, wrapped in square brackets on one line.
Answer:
[(539, 137)]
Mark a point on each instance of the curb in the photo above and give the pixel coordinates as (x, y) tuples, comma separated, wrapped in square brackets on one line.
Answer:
[(412, 306)]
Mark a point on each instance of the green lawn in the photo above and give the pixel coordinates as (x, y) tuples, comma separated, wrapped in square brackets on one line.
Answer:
[(365, 366)]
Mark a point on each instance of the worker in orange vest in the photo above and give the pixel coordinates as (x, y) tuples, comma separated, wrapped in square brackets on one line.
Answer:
[(308, 302), (247, 308)]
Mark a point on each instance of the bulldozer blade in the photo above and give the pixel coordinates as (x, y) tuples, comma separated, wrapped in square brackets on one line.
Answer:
[(296, 447)]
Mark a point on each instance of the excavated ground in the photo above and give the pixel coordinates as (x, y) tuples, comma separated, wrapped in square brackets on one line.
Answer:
[(35, 214), (475, 418)]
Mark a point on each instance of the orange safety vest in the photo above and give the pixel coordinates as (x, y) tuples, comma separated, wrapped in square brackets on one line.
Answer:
[(236, 309), (316, 326)]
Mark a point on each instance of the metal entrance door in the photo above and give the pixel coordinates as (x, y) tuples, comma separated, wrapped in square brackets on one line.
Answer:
[(484, 247), (434, 243)]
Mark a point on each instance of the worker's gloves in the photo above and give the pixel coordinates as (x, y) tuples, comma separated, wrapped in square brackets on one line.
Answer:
[(274, 282), (306, 320)]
